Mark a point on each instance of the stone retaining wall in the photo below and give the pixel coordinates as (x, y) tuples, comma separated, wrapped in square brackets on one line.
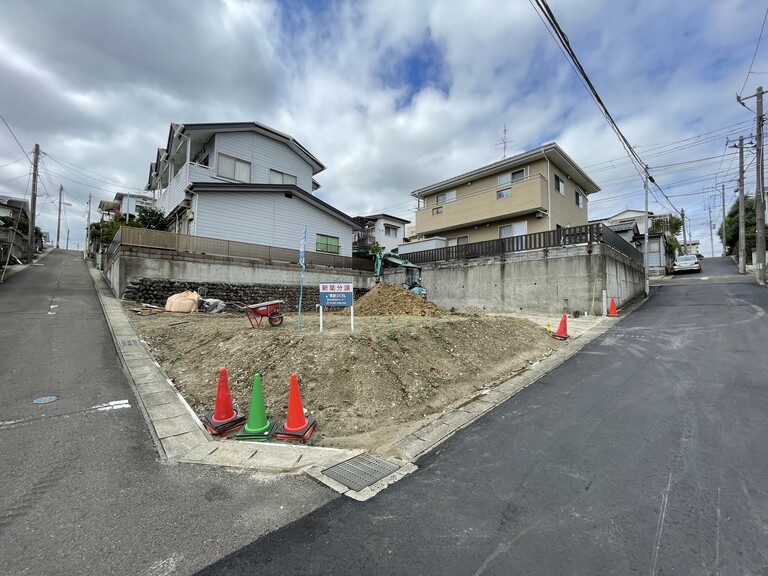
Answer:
[(156, 291)]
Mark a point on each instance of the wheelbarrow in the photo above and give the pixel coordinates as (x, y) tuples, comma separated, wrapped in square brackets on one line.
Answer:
[(257, 312)]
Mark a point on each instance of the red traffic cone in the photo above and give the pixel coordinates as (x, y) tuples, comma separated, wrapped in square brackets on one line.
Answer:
[(562, 330), (225, 417), (296, 427), (612, 310)]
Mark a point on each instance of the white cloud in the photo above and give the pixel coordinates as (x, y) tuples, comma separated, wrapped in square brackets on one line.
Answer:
[(98, 84)]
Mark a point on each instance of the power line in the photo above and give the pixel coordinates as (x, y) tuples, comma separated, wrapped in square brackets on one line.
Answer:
[(563, 41), (14, 137), (755, 54)]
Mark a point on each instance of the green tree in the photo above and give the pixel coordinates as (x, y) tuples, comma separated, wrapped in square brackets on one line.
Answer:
[(731, 237), (151, 217), (673, 225)]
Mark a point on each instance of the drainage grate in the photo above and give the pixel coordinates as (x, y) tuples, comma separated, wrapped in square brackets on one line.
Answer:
[(361, 471), (130, 342)]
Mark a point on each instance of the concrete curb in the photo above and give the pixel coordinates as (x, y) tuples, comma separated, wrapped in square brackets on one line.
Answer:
[(179, 436), (176, 430)]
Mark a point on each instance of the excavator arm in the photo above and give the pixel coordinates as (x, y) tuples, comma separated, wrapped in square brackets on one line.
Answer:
[(412, 272)]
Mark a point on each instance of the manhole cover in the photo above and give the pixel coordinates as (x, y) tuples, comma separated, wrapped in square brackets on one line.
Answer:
[(361, 471), (44, 399)]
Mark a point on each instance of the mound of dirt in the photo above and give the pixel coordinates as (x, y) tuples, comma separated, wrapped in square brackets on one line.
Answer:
[(366, 388), (393, 300)]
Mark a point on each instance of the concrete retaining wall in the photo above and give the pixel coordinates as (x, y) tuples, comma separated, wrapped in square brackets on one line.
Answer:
[(554, 281), (132, 264), (557, 280)]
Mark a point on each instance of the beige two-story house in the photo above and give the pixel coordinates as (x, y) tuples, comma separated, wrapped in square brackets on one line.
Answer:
[(539, 190)]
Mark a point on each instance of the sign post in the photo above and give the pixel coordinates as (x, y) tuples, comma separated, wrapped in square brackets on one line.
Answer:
[(302, 246), (337, 293)]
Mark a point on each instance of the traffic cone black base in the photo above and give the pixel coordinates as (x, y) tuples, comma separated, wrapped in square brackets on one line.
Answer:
[(562, 330), (243, 434), (218, 428), (303, 434)]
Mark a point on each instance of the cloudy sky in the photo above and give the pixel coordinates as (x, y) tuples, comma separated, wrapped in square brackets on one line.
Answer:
[(391, 95)]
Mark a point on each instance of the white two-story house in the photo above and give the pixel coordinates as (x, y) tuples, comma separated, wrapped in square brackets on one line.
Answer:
[(245, 182), (379, 231)]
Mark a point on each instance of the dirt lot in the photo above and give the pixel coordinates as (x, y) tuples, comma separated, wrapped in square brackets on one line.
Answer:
[(406, 362)]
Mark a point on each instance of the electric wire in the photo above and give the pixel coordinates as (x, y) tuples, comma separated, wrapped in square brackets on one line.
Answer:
[(757, 46)]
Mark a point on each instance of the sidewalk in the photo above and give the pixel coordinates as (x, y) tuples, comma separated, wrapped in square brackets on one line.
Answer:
[(180, 436)]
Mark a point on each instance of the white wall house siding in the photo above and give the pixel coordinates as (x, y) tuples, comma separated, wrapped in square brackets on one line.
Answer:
[(264, 154), (268, 218)]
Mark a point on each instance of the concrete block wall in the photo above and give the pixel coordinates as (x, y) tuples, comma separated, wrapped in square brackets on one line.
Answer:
[(557, 280), (563, 279), (133, 264)]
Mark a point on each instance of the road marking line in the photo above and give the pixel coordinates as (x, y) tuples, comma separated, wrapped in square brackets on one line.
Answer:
[(660, 525), (717, 543), (114, 405)]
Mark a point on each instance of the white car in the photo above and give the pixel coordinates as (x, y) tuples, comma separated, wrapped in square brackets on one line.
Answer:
[(686, 263)]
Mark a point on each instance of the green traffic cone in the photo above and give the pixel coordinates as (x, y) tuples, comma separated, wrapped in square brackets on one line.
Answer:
[(257, 427)]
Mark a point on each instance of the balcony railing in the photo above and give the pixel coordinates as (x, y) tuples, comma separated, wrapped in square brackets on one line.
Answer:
[(182, 243), (589, 234), (175, 193)]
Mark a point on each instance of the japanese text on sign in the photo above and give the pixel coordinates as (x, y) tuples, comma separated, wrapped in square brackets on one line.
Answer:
[(336, 294)]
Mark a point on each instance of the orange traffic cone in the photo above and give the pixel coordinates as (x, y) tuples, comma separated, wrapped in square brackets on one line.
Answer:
[(225, 417), (562, 330), (612, 310), (296, 427)]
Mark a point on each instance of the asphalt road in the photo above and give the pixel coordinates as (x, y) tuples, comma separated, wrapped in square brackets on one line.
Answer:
[(645, 453), (83, 491)]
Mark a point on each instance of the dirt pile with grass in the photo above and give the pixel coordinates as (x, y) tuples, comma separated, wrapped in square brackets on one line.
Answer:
[(406, 362)]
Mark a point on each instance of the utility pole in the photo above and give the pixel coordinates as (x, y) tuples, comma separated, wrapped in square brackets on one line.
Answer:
[(58, 226), (645, 243), (33, 208), (67, 240), (87, 242), (724, 251), (742, 226), (682, 217), (759, 197), (711, 226)]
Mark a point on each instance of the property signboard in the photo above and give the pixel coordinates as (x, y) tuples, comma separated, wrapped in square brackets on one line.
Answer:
[(336, 294)]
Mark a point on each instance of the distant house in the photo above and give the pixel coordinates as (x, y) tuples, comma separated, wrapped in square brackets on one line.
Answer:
[(626, 224), (381, 230), (130, 203), (12, 240), (539, 190), (637, 216), (627, 230), (245, 182)]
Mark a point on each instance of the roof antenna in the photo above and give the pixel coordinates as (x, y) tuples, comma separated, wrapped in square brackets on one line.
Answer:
[(504, 142)]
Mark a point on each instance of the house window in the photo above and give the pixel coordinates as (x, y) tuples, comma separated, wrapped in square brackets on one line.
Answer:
[(233, 168), (559, 185), (516, 229), (390, 230), (327, 244), (458, 241), (511, 177), (504, 193), (579, 199), (446, 197), (276, 177), (436, 211)]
